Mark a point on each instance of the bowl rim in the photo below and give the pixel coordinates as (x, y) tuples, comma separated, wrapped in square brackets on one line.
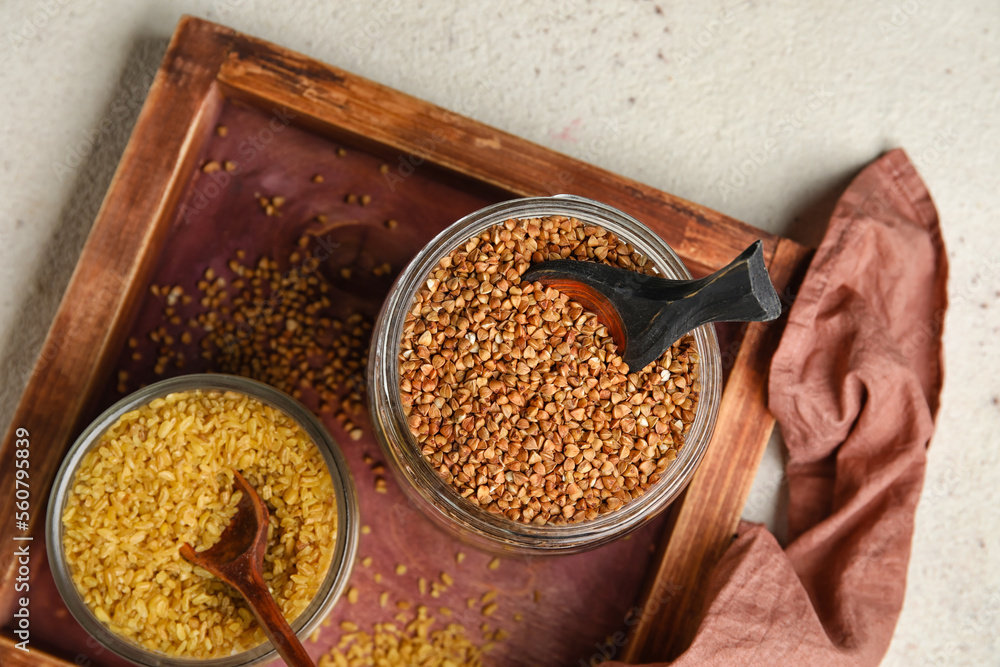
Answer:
[(348, 521), (438, 498)]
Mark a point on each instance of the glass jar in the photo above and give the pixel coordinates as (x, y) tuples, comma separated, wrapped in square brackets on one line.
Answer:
[(437, 499), (345, 498)]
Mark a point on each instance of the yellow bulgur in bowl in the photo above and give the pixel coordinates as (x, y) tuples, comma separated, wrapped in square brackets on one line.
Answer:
[(161, 475)]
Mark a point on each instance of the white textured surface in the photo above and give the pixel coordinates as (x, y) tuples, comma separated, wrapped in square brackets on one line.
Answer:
[(797, 94)]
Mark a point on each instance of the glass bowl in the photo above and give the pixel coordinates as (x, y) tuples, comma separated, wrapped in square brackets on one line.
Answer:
[(344, 551), (439, 500)]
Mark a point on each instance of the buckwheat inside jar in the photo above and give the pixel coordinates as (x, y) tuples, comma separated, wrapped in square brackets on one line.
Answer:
[(517, 395)]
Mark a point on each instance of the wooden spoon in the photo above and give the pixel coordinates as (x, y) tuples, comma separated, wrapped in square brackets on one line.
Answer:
[(238, 558), (646, 314)]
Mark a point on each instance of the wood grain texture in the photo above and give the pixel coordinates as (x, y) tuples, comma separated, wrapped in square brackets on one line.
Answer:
[(207, 66), (706, 520), (15, 657), (358, 240), (325, 96), (88, 326)]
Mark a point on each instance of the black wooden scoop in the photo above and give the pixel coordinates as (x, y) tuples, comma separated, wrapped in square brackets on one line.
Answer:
[(646, 314)]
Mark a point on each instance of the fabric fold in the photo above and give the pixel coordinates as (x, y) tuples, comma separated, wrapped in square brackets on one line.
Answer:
[(855, 385)]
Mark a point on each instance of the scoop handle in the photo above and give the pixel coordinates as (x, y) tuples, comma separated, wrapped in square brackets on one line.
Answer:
[(271, 620), (741, 291), (238, 559), (647, 314)]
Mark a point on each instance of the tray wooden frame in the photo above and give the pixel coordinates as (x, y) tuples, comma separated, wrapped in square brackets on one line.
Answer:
[(206, 63)]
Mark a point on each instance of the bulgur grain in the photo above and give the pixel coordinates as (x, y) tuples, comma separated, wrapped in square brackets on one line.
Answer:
[(162, 476), (415, 644)]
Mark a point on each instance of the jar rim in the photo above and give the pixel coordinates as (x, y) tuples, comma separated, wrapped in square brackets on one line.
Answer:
[(439, 499)]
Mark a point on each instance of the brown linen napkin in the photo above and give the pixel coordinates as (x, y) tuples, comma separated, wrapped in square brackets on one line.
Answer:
[(855, 385)]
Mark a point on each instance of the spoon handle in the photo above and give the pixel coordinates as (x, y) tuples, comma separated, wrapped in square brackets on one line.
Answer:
[(741, 291), (271, 620)]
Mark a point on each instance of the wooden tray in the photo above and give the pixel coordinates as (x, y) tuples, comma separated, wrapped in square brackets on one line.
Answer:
[(165, 221)]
